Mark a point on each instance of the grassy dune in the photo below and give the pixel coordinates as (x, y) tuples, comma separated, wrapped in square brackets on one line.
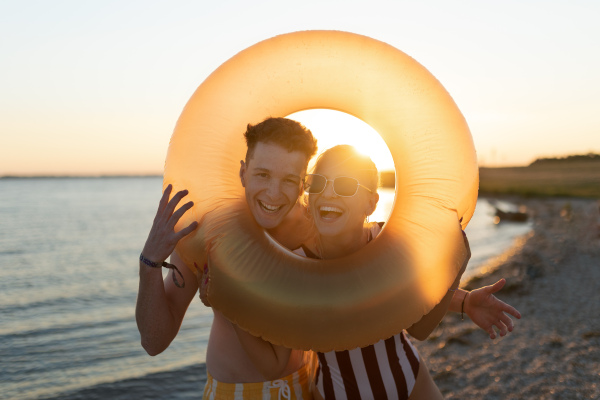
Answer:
[(573, 176), (568, 178)]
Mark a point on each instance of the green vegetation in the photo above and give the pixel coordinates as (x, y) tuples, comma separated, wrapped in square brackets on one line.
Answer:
[(569, 159), (573, 176)]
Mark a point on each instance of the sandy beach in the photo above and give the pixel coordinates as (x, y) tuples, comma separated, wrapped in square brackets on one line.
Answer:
[(553, 279)]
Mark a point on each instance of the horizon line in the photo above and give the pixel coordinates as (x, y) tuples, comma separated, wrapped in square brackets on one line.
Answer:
[(149, 175)]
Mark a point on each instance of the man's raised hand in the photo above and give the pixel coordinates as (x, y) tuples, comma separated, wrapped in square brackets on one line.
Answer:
[(162, 238)]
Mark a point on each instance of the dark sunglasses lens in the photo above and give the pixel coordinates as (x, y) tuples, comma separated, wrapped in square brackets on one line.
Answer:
[(345, 186), (314, 184)]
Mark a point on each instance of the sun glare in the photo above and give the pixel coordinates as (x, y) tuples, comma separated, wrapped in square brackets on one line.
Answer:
[(334, 127)]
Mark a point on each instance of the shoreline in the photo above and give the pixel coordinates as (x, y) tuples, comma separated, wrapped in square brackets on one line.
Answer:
[(553, 279)]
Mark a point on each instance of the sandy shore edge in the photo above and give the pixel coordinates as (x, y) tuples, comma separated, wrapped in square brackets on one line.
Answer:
[(553, 279)]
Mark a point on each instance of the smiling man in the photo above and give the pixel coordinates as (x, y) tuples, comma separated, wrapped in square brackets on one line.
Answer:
[(272, 173), (278, 153)]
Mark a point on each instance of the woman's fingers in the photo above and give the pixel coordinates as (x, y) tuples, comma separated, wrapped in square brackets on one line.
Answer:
[(501, 327), (507, 321), (511, 310), (497, 286)]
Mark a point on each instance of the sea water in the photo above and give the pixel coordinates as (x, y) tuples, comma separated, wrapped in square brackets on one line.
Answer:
[(69, 252)]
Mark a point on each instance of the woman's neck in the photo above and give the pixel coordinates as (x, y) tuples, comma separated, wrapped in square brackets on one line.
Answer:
[(339, 246)]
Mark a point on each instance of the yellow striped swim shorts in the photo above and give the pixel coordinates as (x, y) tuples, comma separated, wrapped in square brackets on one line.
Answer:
[(292, 387)]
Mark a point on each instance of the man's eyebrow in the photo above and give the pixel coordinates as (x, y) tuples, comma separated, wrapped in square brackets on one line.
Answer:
[(262, 169)]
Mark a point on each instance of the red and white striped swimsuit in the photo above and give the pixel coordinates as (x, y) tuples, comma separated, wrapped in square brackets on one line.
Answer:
[(385, 370)]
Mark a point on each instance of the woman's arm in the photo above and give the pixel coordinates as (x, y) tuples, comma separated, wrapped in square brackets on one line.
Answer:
[(423, 328)]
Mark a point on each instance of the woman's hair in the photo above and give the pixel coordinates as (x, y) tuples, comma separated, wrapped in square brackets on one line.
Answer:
[(360, 163)]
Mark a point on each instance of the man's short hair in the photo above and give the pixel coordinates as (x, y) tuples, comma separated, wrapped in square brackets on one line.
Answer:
[(284, 132)]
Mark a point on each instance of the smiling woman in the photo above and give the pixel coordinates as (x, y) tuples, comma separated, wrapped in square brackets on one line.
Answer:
[(337, 303)]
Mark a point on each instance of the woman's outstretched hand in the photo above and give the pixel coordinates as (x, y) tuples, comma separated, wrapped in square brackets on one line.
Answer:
[(162, 238), (486, 310)]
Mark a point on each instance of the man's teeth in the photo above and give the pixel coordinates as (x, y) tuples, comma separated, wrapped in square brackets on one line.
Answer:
[(268, 207)]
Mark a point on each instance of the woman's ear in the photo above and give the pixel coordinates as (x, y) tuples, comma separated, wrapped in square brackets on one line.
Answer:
[(372, 205), (243, 173)]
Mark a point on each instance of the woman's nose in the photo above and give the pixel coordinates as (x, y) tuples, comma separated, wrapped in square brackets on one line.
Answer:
[(328, 191)]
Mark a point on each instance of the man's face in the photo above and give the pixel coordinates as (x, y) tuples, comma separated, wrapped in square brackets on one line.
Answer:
[(272, 179)]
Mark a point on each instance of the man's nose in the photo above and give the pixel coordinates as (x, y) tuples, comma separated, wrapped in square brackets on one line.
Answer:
[(274, 188)]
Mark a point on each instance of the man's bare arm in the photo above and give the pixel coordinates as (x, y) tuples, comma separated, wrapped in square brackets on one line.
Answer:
[(161, 305)]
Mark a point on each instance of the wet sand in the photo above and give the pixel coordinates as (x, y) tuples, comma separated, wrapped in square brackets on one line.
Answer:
[(553, 279)]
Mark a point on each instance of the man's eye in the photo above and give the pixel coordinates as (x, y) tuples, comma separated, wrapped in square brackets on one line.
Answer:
[(293, 182), (262, 175)]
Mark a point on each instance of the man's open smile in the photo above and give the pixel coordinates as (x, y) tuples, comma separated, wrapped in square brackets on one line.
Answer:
[(268, 208)]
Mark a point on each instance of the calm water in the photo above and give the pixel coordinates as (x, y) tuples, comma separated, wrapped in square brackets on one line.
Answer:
[(68, 285)]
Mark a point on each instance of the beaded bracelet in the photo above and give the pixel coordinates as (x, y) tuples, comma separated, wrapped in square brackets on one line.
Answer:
[(166, 265)]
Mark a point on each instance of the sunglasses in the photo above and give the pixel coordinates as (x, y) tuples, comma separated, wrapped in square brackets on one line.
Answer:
[(343, 186)]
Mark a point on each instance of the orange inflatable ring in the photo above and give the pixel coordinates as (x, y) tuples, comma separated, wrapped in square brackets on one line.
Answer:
[(382, 288)]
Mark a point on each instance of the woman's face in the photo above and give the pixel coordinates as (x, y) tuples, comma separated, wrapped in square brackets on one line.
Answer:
[(335, 215)]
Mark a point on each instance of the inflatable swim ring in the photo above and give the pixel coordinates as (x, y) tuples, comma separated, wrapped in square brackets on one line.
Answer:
[(382, 288)]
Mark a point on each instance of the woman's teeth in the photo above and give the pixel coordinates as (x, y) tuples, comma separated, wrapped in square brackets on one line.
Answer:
[(330, 212)]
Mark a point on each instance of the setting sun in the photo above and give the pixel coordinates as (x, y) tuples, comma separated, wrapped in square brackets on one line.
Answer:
[(334, 127)]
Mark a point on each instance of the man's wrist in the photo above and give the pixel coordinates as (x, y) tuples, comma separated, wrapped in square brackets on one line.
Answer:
[(178, 278), (151, 263)]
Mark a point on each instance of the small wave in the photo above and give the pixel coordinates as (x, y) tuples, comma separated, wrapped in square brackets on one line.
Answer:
[(12, 252), (184, 383), (63, 329)]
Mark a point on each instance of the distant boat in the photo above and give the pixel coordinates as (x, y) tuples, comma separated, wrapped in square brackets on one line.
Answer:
[(512, 216)]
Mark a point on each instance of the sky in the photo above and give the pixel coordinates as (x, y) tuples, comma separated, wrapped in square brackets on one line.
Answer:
[(96, 87)]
